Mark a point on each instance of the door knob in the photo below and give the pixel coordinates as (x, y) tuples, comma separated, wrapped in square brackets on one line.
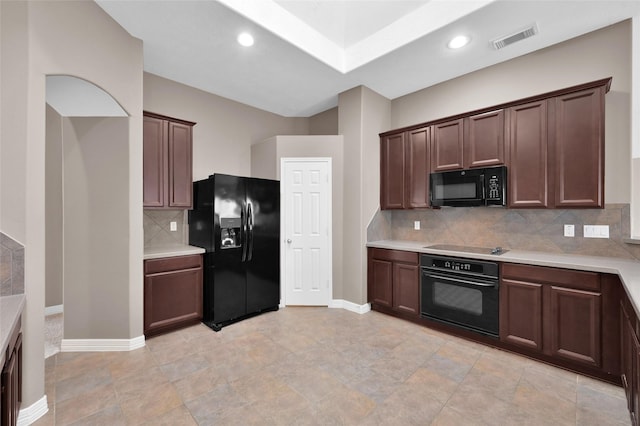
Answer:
[(289, 240)]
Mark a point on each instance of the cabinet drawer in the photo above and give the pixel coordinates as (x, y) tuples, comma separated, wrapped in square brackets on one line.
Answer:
[(557, 276), (172, 263), (395, 255)]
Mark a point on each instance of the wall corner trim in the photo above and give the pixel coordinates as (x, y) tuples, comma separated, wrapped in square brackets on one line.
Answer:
[(102, 345), (350, 306), (30, 414)]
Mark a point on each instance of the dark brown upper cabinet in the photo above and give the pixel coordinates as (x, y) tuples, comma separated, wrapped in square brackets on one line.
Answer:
[(528, 178), (484, 139), (447, 145), (579, 148), (167, 162), (556, 151), (404, 166)]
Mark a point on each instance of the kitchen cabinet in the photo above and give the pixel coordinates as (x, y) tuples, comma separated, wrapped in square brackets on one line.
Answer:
[(527, 166), (11, 379), (404, 166), (630, 357), (553, 311), (393, 281), (172, 293), (556, 151), (167, 162), (484, 139), (579, 148), (447, 145)]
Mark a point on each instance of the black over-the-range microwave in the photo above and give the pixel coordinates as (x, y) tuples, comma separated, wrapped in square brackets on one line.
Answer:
[(470, 187)]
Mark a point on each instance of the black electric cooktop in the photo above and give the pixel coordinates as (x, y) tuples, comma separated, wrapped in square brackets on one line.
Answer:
[(468, 249)]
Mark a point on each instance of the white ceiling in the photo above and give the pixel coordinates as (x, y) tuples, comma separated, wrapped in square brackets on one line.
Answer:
[(308, 51)]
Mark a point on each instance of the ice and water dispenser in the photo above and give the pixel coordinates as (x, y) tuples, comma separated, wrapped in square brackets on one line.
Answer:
[(230, 232)]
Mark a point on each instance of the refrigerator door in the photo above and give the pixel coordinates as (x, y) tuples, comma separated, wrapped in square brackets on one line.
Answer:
[(263, 257), (229, 284), (201, 217)]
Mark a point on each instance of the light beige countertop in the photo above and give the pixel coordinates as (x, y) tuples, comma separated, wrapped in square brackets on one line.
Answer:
[(170, 250), (10, 310), (627, 270)]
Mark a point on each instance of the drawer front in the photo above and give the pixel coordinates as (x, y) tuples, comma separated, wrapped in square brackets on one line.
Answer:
[(563, 277), (166, 264), (395, 255)]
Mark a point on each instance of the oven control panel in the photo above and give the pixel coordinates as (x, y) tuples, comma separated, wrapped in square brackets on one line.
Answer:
[(476, 267)]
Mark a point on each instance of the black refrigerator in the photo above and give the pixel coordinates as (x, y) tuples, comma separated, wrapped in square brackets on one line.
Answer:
[(237, 221)]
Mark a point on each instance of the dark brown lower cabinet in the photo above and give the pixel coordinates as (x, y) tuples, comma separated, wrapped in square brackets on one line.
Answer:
[(554, 312), (172, 293), (394, 280), (11, 380), (630, 357)]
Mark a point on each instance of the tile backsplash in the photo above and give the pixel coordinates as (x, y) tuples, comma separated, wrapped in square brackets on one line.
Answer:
[(523, 229), (11, 266), (157, 227)]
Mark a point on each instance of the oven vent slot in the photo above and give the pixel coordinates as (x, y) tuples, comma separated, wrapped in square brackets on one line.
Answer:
[(505, 41)]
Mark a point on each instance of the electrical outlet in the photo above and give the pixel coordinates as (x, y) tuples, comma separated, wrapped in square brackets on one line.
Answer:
[(596, 231), (173, 226), (416, 224), (569, 231)]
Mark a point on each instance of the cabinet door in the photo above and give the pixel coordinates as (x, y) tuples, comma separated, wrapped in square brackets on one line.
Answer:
[(521, 314), (417, 170), (380, 282), (447, 146), (392, 176), (155, 162), (528, 184), (628, 357), (406, 290), (172, 298), (180, 165), (574, 325), (579, 149), (484, 139)]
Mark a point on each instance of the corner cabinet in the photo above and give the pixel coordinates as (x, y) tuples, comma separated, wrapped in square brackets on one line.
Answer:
[(168, 162), (11, 379), (172, 293), (404, 170), (393, 281)]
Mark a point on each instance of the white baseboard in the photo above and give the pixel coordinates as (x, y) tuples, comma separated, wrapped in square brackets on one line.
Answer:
[(52, 310), (101, 345), (30, 414), (350, 306)]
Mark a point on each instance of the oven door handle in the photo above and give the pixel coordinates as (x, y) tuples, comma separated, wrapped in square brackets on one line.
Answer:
[(456, 279)]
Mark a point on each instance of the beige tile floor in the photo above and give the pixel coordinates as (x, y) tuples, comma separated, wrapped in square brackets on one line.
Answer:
[(319, 366)]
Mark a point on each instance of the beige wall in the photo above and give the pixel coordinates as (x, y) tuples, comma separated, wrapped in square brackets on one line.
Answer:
[(78, 39), (265, 163), (600, 54), (96, 228), (225, 129), (363, 114), (324, 123), (54, 209)]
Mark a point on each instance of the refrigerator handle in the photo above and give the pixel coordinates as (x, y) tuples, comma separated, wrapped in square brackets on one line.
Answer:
[(249, 231), (243, 231)]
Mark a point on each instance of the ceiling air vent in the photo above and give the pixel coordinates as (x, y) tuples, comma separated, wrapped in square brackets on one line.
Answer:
[(501, 42)]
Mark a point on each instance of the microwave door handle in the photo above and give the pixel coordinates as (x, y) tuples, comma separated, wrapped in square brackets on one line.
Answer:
[(484, 190)]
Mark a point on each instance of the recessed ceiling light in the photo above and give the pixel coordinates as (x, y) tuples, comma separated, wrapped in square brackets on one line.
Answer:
[(458, 42), (245, 39)]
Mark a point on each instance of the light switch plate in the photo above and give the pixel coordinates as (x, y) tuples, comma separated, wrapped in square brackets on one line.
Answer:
[(173, 226), (569, 231), (596, 231), (416, 224)]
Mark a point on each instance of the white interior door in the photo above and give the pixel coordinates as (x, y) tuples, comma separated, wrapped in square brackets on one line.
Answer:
[(306, 225)]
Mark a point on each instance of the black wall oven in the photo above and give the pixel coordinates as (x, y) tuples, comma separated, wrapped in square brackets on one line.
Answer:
[(469, 188), (462, 292)]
